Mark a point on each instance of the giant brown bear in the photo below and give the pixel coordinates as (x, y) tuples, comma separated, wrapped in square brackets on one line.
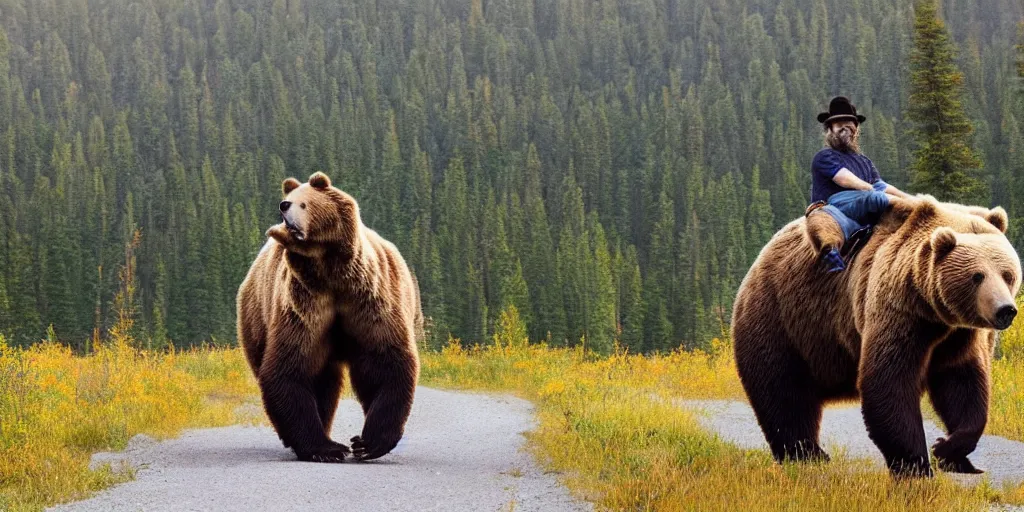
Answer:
[(324, 293), (917, 310)]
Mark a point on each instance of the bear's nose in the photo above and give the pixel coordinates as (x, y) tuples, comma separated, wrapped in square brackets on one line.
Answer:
[(1005, 316), (285, 205)]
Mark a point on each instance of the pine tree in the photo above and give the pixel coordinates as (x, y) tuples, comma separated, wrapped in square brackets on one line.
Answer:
[(1020, 56), (885, 152), (541, 274), (601, 293), (659, 292), (631, 292), (945, 165), (454, 241), (572, 255), (759, 217), (514, 291)]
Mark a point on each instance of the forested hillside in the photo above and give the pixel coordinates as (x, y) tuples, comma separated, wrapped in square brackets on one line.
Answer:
[(610, 167)]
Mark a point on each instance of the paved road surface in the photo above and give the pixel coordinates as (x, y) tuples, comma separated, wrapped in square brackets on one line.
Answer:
[(461, 451), (842, 429)]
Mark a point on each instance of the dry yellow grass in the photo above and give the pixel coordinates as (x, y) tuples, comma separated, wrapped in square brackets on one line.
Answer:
[(1006, 415), (605, 425), (56, 409)]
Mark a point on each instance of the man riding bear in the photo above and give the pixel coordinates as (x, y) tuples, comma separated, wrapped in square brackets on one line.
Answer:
[(917, 312), (845, 183)]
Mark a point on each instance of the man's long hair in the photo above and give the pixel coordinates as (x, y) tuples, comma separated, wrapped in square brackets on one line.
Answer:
[(843, 141)]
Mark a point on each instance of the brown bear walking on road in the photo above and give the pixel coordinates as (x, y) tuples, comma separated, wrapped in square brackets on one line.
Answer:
[(917, 310), (325, 292)]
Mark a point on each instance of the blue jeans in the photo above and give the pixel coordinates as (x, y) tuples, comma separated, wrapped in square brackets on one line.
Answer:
[(857, 209)]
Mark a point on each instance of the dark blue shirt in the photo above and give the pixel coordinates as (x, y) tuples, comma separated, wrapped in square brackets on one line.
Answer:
[(827, 163)]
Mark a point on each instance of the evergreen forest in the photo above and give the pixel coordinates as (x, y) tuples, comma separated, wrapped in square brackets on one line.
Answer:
[(610, 168)]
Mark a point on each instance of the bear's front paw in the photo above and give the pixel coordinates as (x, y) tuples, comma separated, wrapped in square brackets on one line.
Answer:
[(956, 446), (280, 233), (369, 449), (961, 465), (332, 453)]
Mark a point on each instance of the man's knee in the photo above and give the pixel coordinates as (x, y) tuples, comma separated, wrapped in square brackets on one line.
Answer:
[(876, 202), (859, 205)]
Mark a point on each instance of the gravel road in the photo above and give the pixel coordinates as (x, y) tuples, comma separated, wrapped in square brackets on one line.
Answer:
[(842, 430), (461, 451)]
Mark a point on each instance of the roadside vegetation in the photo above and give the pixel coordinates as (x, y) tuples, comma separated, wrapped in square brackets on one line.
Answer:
[(606, 424), (57, 408)]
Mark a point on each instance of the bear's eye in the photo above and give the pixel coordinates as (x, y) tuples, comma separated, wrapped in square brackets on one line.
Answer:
[(1008, 277), (978, 277), (303, 206)]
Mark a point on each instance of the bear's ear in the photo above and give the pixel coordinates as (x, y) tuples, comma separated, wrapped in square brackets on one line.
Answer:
[(943, 242), (289, 184), (921, 213), (997, 217), (319, 180)]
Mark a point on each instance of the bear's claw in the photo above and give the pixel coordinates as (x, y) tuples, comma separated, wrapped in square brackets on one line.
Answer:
[(955, 447), (334, 453), (363, 450), (951, 454)]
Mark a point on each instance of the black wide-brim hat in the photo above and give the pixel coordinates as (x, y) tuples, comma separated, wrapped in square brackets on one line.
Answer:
[(840, 109)]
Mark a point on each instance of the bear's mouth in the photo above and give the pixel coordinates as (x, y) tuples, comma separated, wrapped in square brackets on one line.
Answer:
[(295, 231)]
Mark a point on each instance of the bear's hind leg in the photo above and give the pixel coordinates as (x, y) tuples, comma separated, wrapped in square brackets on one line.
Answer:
[(784, 399), (287, 384), (251, 331), (327, 388), (959, 390), (385, 384)]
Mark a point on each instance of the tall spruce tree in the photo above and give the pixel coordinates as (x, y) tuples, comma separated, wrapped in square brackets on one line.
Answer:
[(631, 317), (1020, 58), (945, 165)]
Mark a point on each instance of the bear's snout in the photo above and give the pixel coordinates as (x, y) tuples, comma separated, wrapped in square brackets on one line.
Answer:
[(1005, 316), (285, 205)]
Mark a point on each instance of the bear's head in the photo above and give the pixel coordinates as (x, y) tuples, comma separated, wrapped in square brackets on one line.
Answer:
[(315, 215), (974, 277)]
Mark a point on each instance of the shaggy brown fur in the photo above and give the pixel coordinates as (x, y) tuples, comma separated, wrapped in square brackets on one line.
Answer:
[(917, 310), (325, 292)]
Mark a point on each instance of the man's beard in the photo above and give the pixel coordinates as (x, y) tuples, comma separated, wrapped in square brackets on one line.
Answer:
[(846, 140)]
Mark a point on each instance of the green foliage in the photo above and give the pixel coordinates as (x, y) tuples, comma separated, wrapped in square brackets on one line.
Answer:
[(610, 170), (945, 165), (1020, 50), (510, 331)]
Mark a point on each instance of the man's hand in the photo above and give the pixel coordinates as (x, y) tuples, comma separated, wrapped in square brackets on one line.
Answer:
[(893, 191), (846, 179)]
